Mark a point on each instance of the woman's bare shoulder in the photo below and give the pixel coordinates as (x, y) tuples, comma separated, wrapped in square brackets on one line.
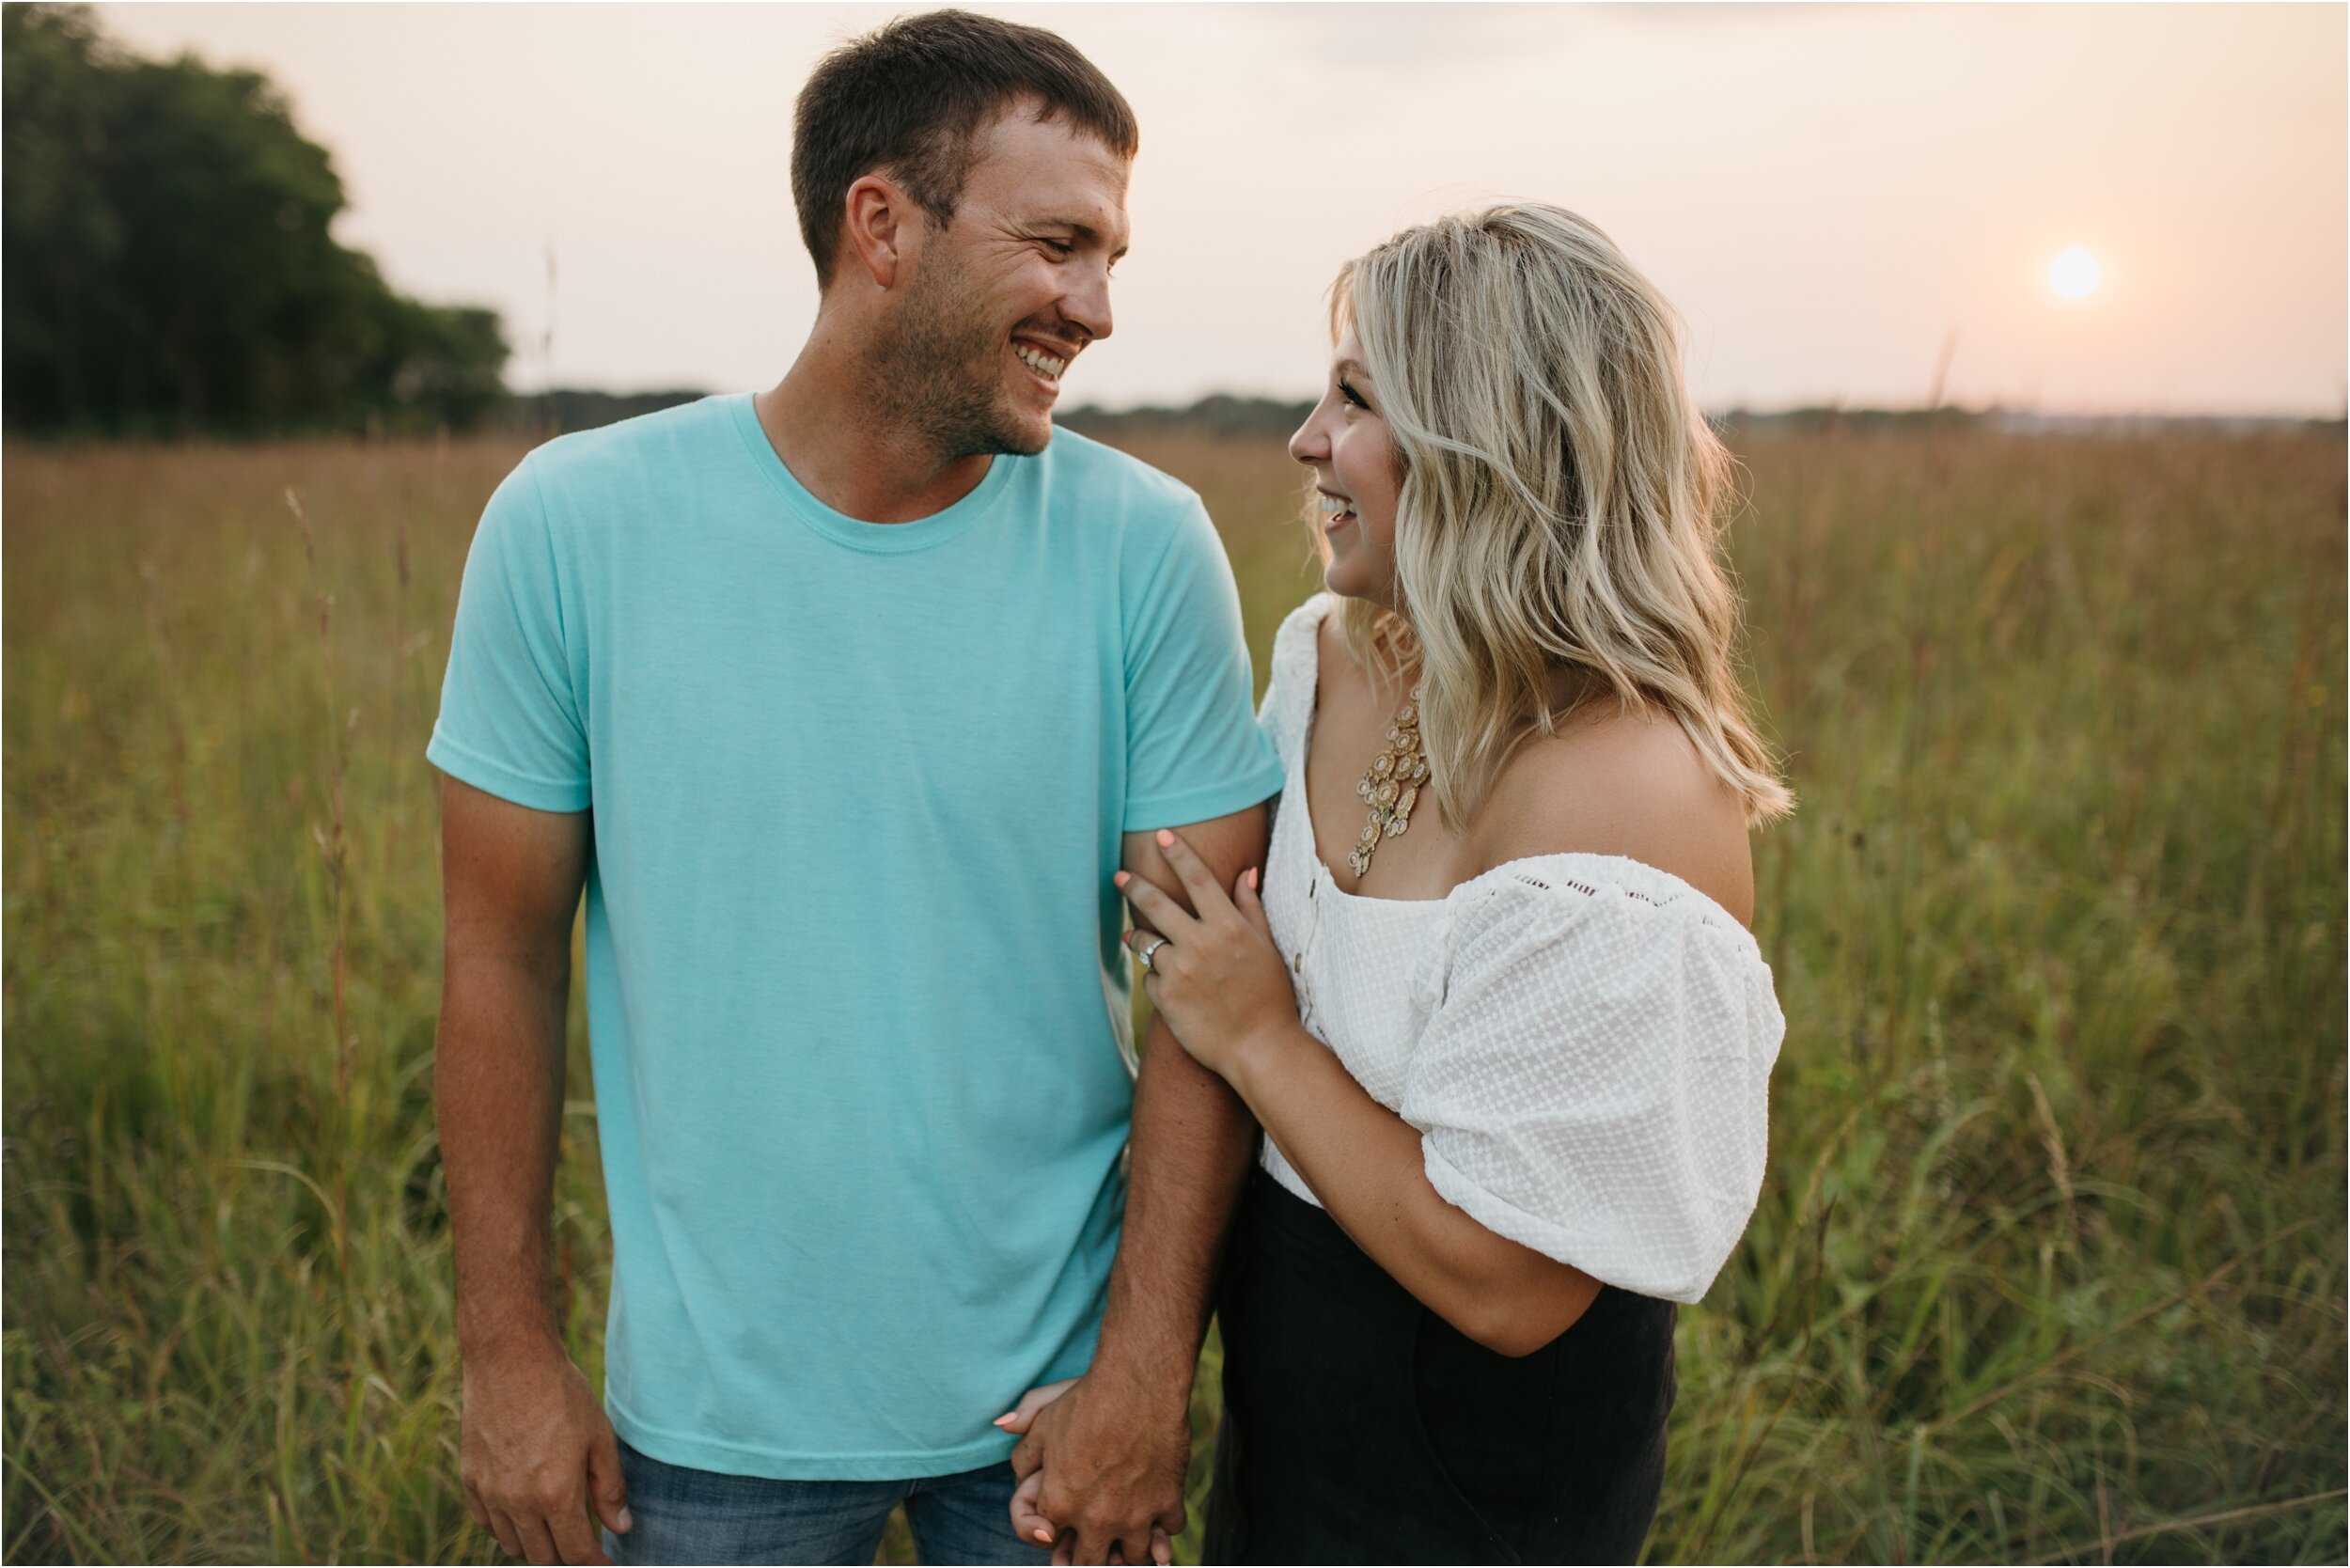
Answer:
[(1337, 673), (1623, 783)]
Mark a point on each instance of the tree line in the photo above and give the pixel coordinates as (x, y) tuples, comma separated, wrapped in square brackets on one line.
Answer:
[(168, 266)]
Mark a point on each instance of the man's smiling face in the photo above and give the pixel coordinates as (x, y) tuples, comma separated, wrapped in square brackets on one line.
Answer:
[(1010, 290)]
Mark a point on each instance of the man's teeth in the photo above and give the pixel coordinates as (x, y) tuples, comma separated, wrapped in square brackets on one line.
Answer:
[(1041, 363)]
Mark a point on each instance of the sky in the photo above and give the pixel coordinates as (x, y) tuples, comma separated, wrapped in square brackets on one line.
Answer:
[(1835, 196)]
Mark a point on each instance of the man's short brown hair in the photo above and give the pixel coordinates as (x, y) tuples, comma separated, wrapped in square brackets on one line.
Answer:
[(910, 100)]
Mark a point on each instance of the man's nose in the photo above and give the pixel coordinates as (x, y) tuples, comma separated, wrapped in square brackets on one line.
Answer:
[(1087, 305)]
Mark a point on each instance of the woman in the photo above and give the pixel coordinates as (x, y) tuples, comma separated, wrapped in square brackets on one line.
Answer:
[(1512, 1064)]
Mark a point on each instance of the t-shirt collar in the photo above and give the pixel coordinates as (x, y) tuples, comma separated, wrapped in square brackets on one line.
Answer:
[(922, 533)]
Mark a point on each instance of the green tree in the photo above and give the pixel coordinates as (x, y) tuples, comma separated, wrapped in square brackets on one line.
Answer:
[(169, 264)]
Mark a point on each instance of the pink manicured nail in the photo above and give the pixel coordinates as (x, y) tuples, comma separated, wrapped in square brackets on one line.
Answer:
[(1044, 1536), (1167, 840), (1005, 1417), (1252, 876), (1119, 881)]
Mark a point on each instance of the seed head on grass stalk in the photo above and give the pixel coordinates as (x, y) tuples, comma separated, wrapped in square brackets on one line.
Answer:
[(332, 848)]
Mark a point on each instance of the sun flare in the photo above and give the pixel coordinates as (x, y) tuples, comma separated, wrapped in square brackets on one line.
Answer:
[(2074, 275)]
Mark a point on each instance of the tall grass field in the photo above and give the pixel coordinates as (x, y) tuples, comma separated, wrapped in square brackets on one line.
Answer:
[(2048, 1266)]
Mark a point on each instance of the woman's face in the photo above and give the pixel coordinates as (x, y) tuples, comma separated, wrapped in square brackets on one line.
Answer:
[(1345, 441)]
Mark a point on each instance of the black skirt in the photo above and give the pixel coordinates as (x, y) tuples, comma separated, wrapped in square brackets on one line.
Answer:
[(1360, 1427)]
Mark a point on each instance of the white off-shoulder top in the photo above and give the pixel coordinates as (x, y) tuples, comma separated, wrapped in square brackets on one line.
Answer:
[(1583, 1041)]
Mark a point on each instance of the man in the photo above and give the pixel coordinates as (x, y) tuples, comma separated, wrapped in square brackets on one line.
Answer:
[(843, 703)]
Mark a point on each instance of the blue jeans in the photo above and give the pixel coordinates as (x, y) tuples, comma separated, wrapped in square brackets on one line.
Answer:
[(678, 1514)]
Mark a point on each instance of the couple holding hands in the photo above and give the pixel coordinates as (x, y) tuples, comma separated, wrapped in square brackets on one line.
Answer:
[(881, 726)]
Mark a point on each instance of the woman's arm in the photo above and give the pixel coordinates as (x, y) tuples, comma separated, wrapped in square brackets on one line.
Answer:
[(1221, 985), (1364, 1162)]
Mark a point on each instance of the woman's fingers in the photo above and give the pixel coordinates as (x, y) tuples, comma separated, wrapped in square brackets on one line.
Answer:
[(1198, 880), (1152, 906), (1162, 1549), (1017, 1419), (1026, 1522), (1252, 907)]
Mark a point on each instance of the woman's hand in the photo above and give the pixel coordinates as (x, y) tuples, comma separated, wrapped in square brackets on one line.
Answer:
[(1215, 977), (1028, 1522)]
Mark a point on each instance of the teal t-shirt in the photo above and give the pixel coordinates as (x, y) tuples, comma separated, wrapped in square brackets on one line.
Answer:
[(856, 997)]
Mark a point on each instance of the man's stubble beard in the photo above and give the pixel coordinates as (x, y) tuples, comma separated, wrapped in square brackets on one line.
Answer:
[(937, 370)]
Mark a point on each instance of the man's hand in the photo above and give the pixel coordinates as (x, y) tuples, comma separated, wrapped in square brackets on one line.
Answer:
[(537, 1453), (1027, 1520), (1108, 1468)]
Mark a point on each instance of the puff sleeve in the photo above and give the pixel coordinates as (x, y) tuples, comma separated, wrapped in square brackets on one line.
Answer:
[(1289, 693), (1593, 1078)]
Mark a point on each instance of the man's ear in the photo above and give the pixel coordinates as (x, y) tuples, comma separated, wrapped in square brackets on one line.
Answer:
[(880, 217)]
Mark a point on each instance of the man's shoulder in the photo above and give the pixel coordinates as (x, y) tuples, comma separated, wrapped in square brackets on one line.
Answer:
[(1100, 471), (643, 446)]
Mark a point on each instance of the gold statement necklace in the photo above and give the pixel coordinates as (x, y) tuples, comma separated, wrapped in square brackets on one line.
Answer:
[(1391, 784)]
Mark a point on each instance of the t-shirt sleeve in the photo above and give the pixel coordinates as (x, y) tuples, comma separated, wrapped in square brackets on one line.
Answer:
[(1593, 1082), (511, 720), (1193, 747)]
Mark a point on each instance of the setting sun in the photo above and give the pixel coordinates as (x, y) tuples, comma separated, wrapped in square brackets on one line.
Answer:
[(2074, 275)]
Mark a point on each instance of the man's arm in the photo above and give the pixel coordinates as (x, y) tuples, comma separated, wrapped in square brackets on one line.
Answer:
[(1115, 1447), (536, 1446)]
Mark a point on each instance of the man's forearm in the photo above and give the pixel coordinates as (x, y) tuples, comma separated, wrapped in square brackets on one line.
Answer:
[(498, 1074), (1193, 1139)]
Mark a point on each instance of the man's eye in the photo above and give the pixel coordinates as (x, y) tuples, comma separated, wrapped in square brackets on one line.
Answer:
[(1059, 247)]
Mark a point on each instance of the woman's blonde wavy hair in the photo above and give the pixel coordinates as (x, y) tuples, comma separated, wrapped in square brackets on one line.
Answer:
[(1558, 520)]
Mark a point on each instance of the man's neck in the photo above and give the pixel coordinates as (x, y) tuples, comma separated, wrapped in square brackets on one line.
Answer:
[(854, 461)]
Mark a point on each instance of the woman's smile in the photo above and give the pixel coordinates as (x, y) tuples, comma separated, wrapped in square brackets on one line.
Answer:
[(1337, 512)]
